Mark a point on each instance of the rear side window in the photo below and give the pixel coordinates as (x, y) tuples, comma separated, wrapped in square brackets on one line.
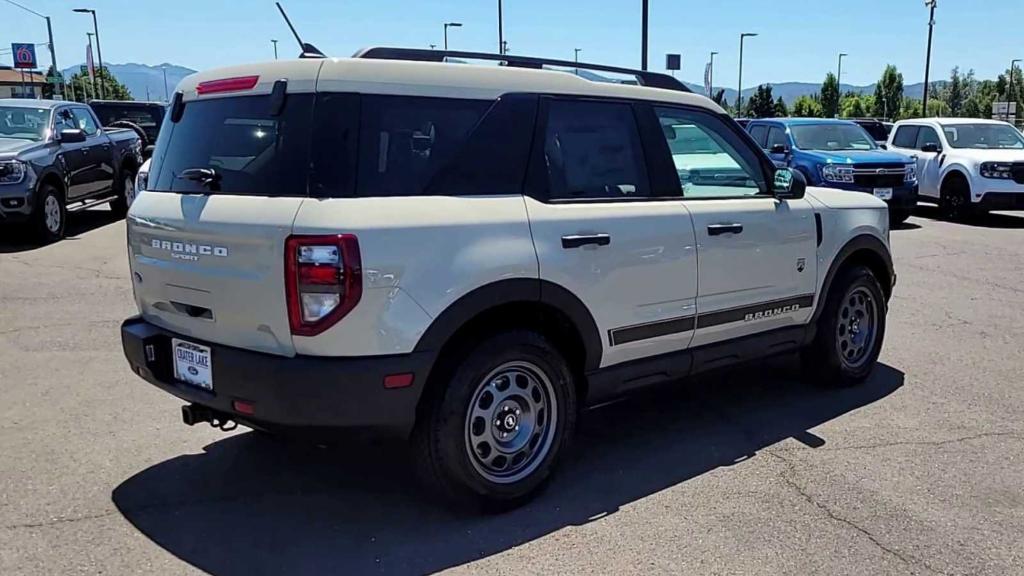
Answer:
[(906, 137), (251, 150), (593, 150), (404, 140), (760, 135)]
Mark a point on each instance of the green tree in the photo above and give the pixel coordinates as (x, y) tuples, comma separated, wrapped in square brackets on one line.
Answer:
[(761, 104), (852, 106), (781, 111), (719, 97), (911, 108), (1011, 89), (85, 89), (957, 91), (979, 104), (830, 96), (889, 94), (806, 107)]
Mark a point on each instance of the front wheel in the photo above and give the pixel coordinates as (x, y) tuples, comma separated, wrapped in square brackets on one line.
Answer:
[(493, 435), (850, 331), (50, 215)]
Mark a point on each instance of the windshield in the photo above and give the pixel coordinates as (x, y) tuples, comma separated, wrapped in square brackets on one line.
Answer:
[(24, 123), (831, 137), (144, 116), (985, 136)]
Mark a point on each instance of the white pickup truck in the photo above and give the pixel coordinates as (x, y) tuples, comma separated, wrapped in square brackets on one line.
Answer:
[(967, 166)]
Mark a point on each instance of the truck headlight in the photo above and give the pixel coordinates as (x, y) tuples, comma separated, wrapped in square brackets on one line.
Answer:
[(141, 180), (12, 171), (997, 170), (833, 173), (910, 173)]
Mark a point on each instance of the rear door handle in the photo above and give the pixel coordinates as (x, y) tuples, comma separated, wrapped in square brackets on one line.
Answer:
[(577, 240), (719, 229)]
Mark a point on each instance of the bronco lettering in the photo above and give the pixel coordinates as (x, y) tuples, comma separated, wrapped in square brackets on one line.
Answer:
[(771, 312)]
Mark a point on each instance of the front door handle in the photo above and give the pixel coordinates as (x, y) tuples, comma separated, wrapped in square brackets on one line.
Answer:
[(577, 240), (719, 229)]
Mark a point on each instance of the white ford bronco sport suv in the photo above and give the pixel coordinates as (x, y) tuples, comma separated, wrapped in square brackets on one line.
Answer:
[(467, 255), (967, 166)]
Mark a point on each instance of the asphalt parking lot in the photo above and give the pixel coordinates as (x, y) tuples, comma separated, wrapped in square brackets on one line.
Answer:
[(920, 471)]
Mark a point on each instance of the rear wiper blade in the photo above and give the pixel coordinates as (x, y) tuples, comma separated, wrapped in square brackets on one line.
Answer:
[(205, 176)]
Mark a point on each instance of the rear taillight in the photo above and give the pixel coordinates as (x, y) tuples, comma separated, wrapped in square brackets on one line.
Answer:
[(323, 281)]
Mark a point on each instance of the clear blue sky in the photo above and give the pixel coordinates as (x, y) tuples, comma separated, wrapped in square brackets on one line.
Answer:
[(799, 39)]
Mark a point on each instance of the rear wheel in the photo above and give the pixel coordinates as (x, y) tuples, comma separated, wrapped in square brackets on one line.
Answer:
[(493, 435), (850, 331), (955, 198), (50, 215), (125, 195)]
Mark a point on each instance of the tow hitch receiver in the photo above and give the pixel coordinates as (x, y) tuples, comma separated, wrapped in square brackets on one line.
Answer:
[(195, 414)]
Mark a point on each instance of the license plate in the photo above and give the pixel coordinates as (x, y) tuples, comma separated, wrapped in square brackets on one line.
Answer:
[(192, 364), (883, 193)]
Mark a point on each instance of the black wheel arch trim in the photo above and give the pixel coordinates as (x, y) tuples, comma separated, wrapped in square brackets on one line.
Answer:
[(511, 291), (858, 243)]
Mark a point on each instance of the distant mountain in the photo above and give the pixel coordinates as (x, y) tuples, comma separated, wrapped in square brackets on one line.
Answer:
[(142, 79)]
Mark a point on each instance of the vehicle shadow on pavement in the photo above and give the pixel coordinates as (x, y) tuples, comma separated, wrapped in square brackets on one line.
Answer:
[(1013, 220), (251, 505), (15, 239)]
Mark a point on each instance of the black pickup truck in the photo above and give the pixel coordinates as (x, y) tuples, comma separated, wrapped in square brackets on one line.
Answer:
[(55, 158)]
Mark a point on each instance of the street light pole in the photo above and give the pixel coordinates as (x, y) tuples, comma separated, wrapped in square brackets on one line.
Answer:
[(839, 73), (99, 51), (49, 32), (576, 58), (739, 87), (274, 42), (643, 34), (928, 57), (1009, 87), (501, 32), (446, 26), (166, 95)]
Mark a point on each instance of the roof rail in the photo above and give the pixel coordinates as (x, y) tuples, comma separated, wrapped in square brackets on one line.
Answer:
[(643, 77)]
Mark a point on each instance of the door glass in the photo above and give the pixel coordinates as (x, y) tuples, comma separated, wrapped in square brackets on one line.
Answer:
[(906, 137), (760, 135), (710, 160), (85, 122), (593, 150), (776, 136), (65, 121), (927, 135)]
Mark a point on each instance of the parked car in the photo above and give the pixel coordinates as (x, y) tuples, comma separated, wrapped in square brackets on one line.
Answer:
[(144, 118), (878, 129), (967, 166), (840, 154), (55, 158), (466, 256)]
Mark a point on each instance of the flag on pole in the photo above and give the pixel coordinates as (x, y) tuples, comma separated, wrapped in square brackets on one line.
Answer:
[(707, 79), (88, 62)]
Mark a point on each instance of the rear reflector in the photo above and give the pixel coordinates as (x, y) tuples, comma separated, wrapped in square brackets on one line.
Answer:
[(242, 407), (237, 84), (398, 380)]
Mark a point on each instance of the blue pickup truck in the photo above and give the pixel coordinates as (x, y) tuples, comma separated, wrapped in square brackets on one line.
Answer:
[(840, 154)]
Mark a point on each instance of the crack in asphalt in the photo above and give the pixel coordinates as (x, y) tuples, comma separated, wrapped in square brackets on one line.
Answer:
[(1013, 434), (791, 467), (56, 521)]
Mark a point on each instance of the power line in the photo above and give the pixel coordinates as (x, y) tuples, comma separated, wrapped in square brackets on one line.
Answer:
[(26, 9)]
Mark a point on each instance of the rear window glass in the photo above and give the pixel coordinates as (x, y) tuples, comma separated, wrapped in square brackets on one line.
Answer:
[(404, 140), (144, 117), (250, 150)]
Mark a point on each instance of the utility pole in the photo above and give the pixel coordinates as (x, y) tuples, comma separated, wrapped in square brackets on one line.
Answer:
[(501, 32), (166, 96), (643, 35), (928, 57), (274, 42), (739, 87), (49, 32)]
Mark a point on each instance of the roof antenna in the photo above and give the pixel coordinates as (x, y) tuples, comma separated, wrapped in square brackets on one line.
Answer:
[(308, 50)]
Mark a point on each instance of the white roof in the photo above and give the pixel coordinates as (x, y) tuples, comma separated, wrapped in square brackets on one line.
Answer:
[(950, 121), (438, 79)]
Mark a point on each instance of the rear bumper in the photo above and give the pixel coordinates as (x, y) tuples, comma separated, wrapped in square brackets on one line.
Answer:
[(287, 392)]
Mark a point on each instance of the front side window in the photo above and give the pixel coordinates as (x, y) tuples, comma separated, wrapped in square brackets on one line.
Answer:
[(710, 160), (405, 140), (592, 150), (65, 121), (927, 135), (831, 137), (984, 136), (776, 137), (23, 123), (760, 135), (84, 121)]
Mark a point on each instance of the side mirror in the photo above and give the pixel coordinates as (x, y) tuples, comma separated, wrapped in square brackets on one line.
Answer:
[(931, 147), (788, 184), (72, 136), (780, 149)]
